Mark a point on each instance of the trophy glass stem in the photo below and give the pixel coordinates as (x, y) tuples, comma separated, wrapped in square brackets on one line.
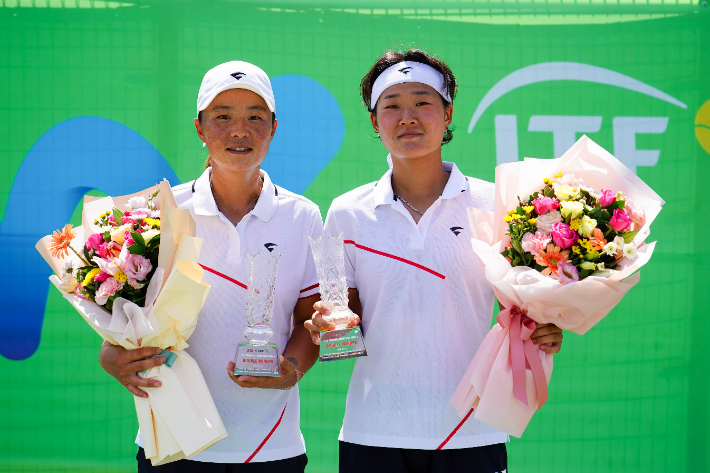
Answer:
[(340, 317)]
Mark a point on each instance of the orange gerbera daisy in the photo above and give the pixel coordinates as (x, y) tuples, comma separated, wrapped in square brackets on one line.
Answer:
[(550, 257), (61, 240), (597, 239)]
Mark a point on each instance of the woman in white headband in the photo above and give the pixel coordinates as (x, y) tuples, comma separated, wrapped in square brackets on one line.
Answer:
[(416, 283)]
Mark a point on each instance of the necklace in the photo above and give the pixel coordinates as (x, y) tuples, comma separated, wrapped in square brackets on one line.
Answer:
[(409, 205), (250, 205)]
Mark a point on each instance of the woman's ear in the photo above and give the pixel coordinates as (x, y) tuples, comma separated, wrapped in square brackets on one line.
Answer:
[(449, 114), (373, 119)]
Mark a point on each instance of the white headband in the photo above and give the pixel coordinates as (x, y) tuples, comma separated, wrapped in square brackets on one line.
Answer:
[(408, 71)]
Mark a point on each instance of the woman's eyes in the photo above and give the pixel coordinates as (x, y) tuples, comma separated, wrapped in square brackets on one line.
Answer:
[(255, 117)]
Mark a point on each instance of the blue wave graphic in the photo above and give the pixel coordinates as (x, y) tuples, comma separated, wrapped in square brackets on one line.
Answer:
[(69, 160)]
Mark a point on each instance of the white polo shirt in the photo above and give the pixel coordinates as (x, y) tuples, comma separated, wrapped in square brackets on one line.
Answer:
[(282, 221), (426, 308)]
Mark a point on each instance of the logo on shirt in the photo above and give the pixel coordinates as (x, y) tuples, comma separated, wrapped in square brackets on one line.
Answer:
[(405, 70), (270, 246), (238, 75), (456, 230)]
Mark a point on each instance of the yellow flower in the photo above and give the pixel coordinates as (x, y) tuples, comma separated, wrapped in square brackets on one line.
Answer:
[(574, 224), (507, 218), (559, 174), (576, 250), (120, 276), (516, 216), (546, 181), (532, 221), (90, 277), (528, 209), (154, 222)]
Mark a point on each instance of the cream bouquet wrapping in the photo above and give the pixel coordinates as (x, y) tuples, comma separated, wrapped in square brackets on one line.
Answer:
[(562, 246), (131, 271)]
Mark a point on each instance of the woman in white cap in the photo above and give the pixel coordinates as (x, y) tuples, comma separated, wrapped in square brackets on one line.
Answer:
[(416, 283), (237, 209)]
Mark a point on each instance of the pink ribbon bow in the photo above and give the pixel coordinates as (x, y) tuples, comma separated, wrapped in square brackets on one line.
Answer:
[(523, 353)]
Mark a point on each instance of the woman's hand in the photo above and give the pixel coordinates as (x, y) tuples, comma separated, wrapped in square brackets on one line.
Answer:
[(288, 377), (548, 337), (124, 365), (318, 323)]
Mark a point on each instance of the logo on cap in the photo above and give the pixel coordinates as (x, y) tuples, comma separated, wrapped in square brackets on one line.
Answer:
[(238, 75), (405, 70), (270, 246), (456, 230)]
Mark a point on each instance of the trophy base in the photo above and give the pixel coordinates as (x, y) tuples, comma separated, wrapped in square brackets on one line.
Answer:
[(342, 344), (257, 360)]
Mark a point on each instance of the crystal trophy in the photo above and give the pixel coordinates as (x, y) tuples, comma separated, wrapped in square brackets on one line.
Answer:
[(343, 341), (256, 357)]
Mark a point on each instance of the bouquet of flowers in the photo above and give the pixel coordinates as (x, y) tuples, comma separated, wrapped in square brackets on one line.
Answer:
[(561, 247), (131, 272)]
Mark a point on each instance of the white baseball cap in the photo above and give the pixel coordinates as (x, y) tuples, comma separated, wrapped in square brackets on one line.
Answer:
[(235, 75)]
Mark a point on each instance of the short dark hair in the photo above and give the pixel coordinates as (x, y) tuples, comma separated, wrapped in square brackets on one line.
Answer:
[(208, 161), (390, 58)]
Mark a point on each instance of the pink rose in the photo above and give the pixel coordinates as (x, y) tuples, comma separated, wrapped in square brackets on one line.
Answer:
[(137, 269), (545, 204), (563, 235), (107, 288), (620, 220), (607, 198), (94, 241), (535, 243), (101, 277), (567, 272), (109, 249), (545, 222)]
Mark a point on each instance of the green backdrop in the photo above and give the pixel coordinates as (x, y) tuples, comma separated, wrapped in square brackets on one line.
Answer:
[(631, 395)]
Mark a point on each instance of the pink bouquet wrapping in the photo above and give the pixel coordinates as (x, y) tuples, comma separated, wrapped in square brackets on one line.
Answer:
[(562, 246)]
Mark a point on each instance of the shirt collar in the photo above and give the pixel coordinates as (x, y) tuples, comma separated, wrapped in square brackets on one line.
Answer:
[(264, 209), (457, 183)]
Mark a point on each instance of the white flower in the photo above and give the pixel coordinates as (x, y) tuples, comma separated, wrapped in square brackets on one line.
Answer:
[(630, 251), (137, 203), (587, 226), (600, 267), (610, 248), (148, 235), (620, 242), (591, 191), (572, 209), (604, 274), (545, 222)]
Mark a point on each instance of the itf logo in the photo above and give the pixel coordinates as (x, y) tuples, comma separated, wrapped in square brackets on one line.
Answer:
[(564, 128)]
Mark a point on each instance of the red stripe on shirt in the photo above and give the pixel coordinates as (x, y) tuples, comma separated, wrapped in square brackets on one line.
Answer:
[(267, 437), (382, 253), (207, 268), (309, 288), (455, 430)]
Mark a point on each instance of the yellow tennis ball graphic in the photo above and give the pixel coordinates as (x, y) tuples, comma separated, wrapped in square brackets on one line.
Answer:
[(702, 126)]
